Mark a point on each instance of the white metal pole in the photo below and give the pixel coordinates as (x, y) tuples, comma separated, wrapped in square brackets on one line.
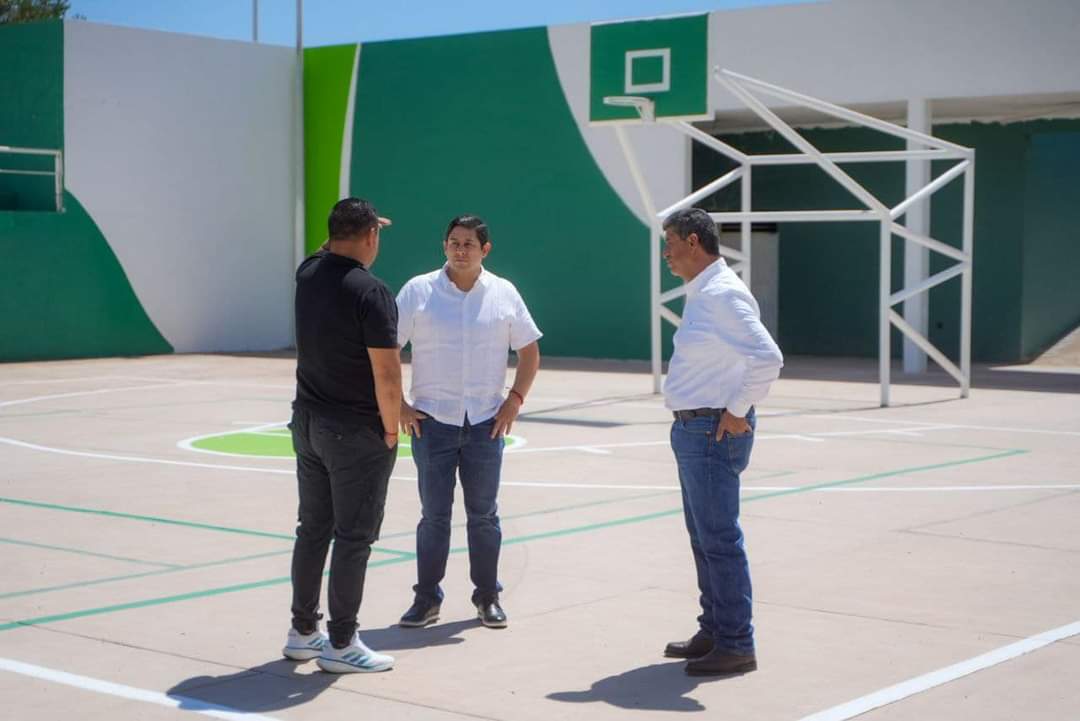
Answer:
[(966, 278), (746, 226), (884, 325), (917, 219), (58, 179), (255, 21), (298, 150), (654, 254)]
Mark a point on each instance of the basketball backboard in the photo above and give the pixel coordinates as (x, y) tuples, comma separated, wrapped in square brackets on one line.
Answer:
[(662, 59)]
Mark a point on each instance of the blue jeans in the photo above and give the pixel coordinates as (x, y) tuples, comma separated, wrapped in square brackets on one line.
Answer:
[(440, 451), (709, 475)]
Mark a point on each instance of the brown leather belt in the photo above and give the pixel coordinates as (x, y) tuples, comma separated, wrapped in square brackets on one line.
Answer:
[(697, 413)]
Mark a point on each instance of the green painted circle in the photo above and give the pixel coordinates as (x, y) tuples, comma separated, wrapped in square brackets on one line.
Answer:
[(277, 443)]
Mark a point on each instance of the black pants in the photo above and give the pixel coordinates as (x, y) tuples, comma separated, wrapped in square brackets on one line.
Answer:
[(342, 472)]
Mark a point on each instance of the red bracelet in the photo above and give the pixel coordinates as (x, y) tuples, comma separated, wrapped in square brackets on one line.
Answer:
[(518, 395)]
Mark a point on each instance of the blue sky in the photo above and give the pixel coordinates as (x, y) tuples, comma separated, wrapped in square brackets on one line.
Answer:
[(328, 22)]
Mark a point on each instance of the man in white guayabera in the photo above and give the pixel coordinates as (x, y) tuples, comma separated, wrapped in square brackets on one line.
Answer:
[(462, 321), (724, 361)]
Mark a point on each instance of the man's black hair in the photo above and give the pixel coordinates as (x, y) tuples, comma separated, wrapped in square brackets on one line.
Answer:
[(695, 220), (350, 218)]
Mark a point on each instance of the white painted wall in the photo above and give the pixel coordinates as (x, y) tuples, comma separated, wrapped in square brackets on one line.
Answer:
[(180, 149), (863, 51)]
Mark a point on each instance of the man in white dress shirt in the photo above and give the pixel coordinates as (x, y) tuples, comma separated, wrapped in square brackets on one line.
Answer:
[(724, 361), (462, 321)]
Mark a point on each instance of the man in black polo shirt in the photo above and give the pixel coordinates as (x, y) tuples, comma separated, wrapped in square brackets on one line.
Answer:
[(344, 430)]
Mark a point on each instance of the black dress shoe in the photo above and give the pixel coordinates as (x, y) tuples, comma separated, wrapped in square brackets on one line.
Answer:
[(721, 663), (421, 613), (697, 646), (490, 613)]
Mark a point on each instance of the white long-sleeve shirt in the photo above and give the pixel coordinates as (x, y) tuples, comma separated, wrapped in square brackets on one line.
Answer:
[(724, 357), (461, 343)]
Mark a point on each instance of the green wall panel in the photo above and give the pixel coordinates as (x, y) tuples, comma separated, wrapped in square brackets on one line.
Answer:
[(1051, 303), (327, 79), (479, 123), (31, 109), (64, 293)]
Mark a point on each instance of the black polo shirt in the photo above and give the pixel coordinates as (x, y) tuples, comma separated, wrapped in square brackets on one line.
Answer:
[(341, 311)]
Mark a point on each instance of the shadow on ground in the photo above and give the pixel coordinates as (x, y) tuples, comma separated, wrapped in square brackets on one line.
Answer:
[(277, 684), (396, 638), (659, 687)]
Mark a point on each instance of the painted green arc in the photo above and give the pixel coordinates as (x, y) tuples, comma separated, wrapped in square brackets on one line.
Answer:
[(278, 445), (66, 279), (327, 80), (447, 126), (65, 294)]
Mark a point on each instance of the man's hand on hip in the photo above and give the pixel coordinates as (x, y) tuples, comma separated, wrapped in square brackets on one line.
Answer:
[(508, 412), (410, 420), (732, 425)]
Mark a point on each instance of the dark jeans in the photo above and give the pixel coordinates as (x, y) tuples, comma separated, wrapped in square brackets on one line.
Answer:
[(342, 472), (709, 475), (441, 450)]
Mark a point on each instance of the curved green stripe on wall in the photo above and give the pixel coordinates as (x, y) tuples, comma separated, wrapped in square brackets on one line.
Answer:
[(327, 79), (478, 123), (65, 294)]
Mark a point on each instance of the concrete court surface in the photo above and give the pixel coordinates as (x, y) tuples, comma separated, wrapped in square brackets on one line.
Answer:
[(926, 554)]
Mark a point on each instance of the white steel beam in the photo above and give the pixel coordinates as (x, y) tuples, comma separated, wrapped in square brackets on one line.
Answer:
[(936, 279), (968, 243), (934, 245), (846, 114), (931, 350), (655, 307), (702, 192), (709, 141), (871, 156), (795, 216), (802, 144), (917, 218), (884, 329), (923, 190), (670, 316)]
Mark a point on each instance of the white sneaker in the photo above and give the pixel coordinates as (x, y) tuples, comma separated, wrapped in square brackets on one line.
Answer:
[(304, 646), (354, 658)]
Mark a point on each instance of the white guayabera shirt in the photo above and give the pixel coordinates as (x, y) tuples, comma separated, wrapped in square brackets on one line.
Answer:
[(724, 357), (461, 343)]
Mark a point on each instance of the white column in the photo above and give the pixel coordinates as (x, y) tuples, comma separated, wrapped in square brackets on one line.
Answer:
[(917, 219)]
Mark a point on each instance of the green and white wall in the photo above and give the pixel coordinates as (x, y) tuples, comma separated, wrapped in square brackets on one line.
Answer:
[(178, 229), (496, 124), (493, 124), (176, 234)]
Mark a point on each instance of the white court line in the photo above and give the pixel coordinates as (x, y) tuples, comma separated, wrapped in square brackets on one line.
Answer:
[(942, 676), (182, 703), (99, 391), (141, 459), (1003, 429), (291, 471), (811, 437), (80, 379), (839, 489)]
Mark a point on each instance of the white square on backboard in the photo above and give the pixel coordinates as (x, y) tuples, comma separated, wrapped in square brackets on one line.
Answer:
[(665, 83)]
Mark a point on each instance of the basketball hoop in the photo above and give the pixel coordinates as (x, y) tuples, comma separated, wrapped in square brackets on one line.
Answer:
[(645, 107)]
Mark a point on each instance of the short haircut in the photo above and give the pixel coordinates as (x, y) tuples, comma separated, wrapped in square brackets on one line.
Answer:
[(470, 222), (351, 217), (695, 220)]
